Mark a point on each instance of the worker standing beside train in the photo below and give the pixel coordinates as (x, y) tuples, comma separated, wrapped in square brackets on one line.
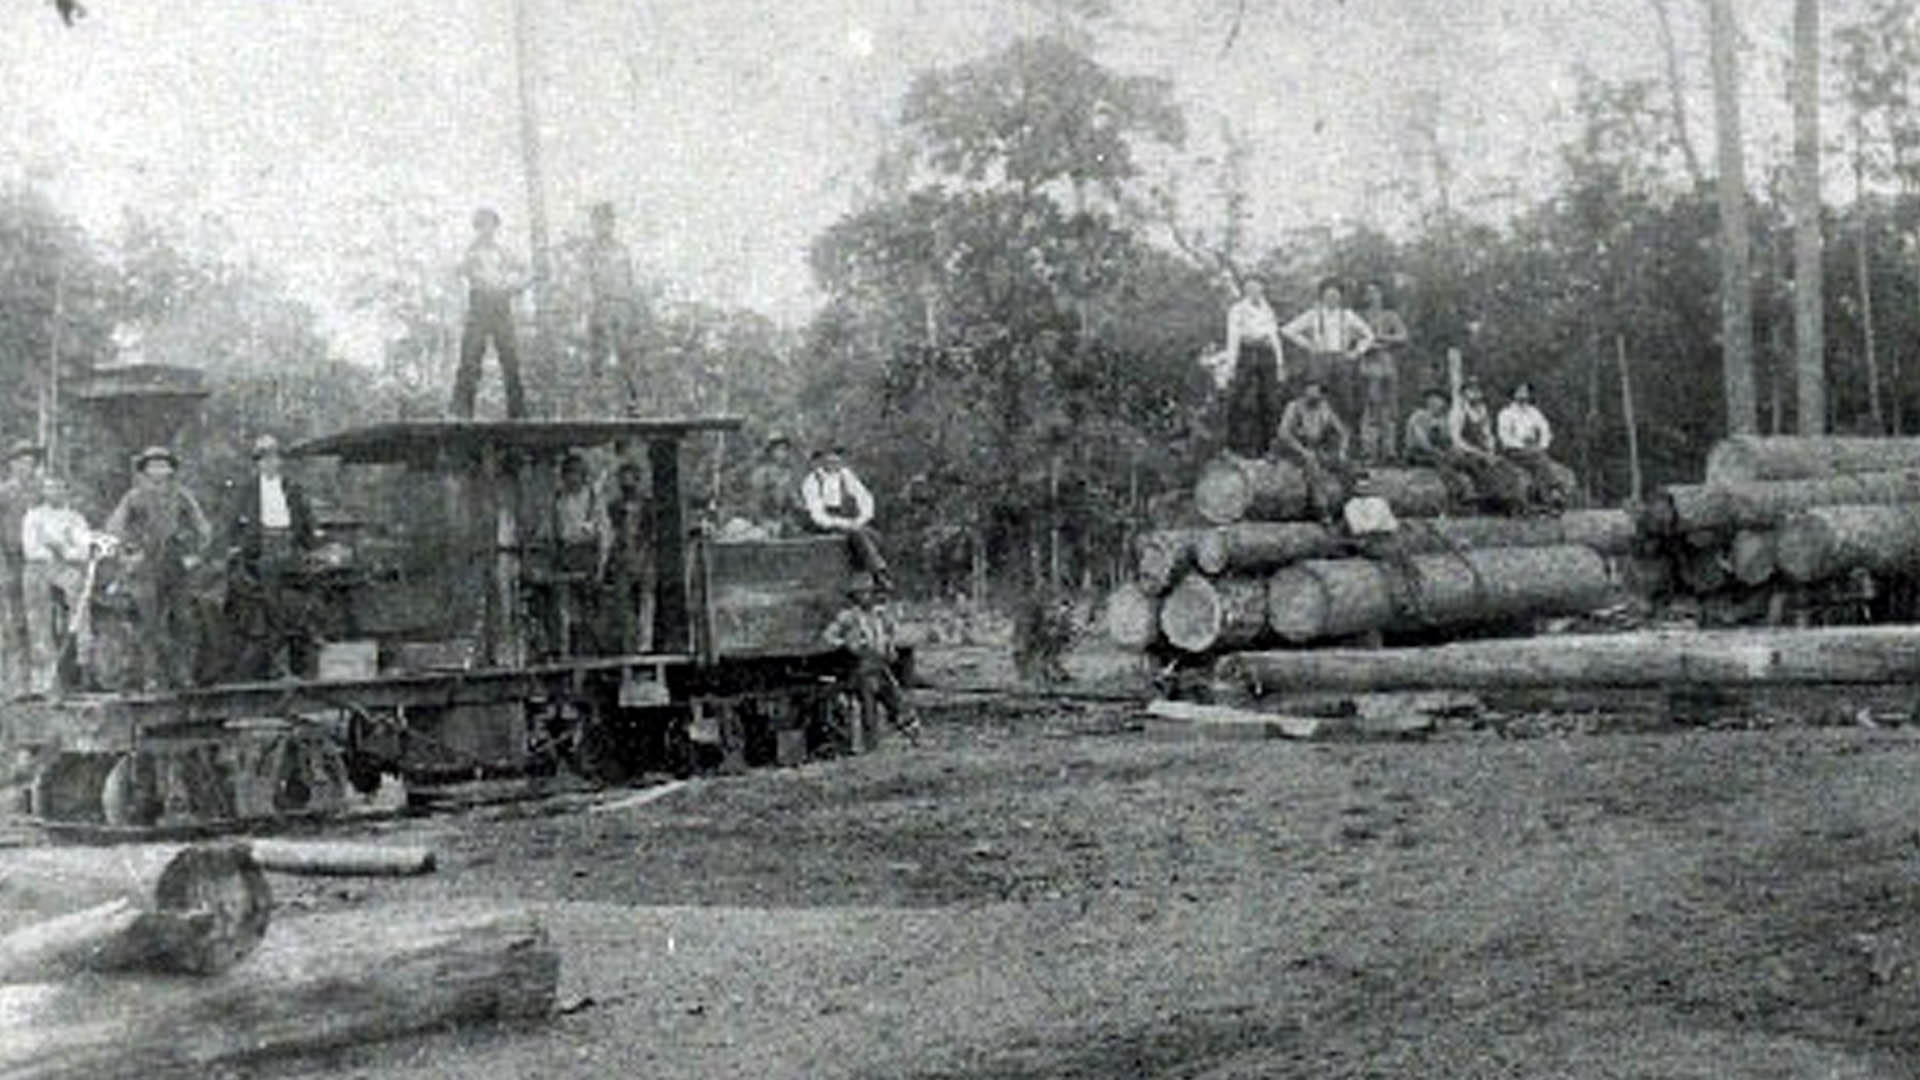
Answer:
[(163, 534), (837, 502), (18, 491), (272, 531), (56, 543)]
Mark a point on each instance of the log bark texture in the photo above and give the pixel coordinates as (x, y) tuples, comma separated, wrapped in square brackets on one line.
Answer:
[(1133, 617), (1203, 615), (197, 909), (1410, 492), (1751, 556), (1746, 458), (1253, 547), (323, 982), (1163, 556), (1648, 659), (1338, 598), (1725, 507), (1610, 532), (1234, 489), (1828, 541), (335, 859)]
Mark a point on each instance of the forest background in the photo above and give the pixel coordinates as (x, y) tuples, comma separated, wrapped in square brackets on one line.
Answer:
[(1013, 317)]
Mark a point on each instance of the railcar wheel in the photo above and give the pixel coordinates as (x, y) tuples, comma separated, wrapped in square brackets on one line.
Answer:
[(129, 796), (69, 787)]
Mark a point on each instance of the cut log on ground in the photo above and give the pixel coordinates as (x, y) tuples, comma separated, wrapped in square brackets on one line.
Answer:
[(1322, 599), (1828, 541), (1257, 547), (323, 982), (1133, 617), (1751, 556), (1234, 489), (196, 909), (1164, 555), (1745, 458), (1722, 508), (1203, 615), (1230, 723), (334, 859), (1829, 655)]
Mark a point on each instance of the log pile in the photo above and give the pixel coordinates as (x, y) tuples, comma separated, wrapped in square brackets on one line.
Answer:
[(136, 961), (1236, 566)]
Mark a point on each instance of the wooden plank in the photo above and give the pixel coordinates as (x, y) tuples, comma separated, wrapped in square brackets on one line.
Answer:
[(340, 859)]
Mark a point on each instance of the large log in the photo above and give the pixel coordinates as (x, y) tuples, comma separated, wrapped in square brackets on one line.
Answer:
[(1411, 492), (1721, 508), (1234, 489), (1745, 458), (1132, 617), (1609, 532), (1322, 599), (1252, 547), (339, 859), (1203, 615), (1648, 659), (1828, 541), (1164, 554), (322, 982), (196, 909)]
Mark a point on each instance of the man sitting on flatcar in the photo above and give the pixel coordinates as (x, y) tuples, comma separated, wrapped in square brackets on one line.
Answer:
[(837, 502)]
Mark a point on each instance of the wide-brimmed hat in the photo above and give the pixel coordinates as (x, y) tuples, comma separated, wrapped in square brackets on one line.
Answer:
[(153, 453), (776, 437), (264, 445), (26, 448), (860, 584)]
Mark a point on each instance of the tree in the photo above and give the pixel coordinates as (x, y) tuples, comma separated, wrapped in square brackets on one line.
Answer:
[(1736, 289), (1809, 297)]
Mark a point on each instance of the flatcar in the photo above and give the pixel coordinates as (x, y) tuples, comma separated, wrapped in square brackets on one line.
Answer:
[(461, 647)]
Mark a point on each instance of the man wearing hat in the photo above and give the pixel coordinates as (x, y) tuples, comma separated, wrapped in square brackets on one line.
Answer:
[(57, 544), (493, 276), (864, 629), (19, 490), (837, 502), (771, 488), (614, 318), (163, 533), (270, 532)]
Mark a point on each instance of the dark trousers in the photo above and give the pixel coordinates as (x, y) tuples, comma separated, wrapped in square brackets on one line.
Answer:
[(270, 613), (1339, 374), (1253, 400), (613, 332), (489, 319), (13, 635), (164, 605)]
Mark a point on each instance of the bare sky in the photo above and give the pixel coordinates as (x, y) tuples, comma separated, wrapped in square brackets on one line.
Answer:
[(312, 135)]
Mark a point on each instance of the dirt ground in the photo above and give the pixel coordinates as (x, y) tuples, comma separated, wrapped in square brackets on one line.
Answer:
[(1046, 890)]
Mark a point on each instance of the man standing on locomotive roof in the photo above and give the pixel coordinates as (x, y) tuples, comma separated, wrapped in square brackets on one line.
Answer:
[(18, 492), (493, 276), (162, 533), (271, 532), (614, 318), (837, 502)]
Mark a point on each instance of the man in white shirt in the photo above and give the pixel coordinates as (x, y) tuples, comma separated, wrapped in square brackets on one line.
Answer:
[(493, 277), (1525, 437), (1334, 338), (55, 542), (837, 502), (614, 319), (1253, 390), (271, 532)]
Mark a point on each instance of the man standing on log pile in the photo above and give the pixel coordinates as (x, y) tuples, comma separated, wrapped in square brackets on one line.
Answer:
[(1501, 484), (837, 502), (1253, 386), (18, 491), (1428, 442), (1318, 439), (1334, 339), (1525, 436), (162, 533)]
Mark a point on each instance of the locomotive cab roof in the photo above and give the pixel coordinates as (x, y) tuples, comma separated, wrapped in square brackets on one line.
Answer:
[(448, 443)]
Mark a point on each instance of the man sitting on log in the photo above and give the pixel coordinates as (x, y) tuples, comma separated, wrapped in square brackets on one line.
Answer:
[(1501, 484), (1525, 436), (1428, 442), (1318, 439)]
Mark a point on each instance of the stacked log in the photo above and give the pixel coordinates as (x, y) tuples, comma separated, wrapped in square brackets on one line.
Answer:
[(1745, 458), (1234, 489), (1828, 541)]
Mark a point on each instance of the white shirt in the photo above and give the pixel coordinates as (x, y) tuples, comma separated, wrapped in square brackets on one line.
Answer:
[(824, 490), (1252, 319), (490, 268), (48, 534), (1524, 427), (273, 504), (1324, 329)]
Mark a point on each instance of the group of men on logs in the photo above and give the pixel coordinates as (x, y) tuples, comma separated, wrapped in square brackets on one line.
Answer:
[(1333, 406)]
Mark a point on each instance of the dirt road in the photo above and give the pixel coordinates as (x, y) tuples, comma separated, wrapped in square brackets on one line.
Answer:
[(1047, 894)]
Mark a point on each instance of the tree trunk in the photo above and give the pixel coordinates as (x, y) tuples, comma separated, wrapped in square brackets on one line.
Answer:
[(1752, 556), (1794, 457), (1627, 417), (1692, 508), (1809, 333), (1878, 654), (1236, 489), (1829, 541), (1736, 289), (323, 982), (1259, 546), (1864, 273), (1203, 615), (1133, 617), (1321, 599), (197, 909), (1677, 96)]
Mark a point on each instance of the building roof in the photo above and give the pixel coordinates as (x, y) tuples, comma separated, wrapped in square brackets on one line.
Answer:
[(423, 442)]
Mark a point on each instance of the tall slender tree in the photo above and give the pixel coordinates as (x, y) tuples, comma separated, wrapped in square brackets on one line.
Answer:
[(1809, 334), (1736, 287)]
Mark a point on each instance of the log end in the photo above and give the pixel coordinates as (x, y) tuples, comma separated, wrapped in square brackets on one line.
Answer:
[(219, 904), (1132, 617), (1223, 492)]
